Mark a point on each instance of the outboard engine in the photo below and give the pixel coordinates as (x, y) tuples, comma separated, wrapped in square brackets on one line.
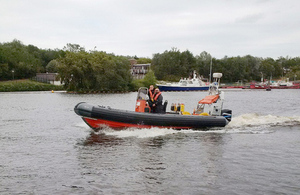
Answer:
[(227, 114)]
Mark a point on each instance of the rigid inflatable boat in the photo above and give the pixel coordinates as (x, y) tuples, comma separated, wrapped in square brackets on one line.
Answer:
[(209, 113)]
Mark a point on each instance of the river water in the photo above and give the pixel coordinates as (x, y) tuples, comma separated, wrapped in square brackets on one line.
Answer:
[(47, 149)]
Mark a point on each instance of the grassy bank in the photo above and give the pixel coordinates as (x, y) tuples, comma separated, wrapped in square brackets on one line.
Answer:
[(27, 85)]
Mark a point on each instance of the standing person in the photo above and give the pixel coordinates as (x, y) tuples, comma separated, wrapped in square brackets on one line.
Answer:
[(158, 99), (151, 92), (151, 97)]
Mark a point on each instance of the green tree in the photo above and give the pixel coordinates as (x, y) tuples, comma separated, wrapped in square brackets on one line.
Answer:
[(96, 71), (252, 68), (73, 48), (48, 54), (149, 79), (267, 67), (144, 61), (203, 61), (20, 58), (52, 66), (4, 71), (172, 65)]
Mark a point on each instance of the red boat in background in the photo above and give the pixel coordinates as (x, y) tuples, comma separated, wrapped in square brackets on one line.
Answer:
[(275, 85)]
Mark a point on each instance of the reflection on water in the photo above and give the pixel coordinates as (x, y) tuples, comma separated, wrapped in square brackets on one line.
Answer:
[(176, 160), (101, 139), (156, 142)]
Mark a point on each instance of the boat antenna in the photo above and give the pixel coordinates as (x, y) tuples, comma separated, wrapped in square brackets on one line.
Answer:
[(210, 69)]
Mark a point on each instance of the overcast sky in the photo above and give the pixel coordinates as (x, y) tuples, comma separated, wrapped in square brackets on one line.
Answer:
[(262, 28)]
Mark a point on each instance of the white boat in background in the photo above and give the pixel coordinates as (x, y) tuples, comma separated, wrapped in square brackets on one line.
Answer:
[(281, 84), (186, 84)]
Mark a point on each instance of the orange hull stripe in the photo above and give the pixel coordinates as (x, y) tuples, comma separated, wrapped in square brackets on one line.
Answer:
[(98, 123)]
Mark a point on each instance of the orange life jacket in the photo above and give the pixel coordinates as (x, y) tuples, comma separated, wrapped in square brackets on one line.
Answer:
[(151, 95), (156, 96)]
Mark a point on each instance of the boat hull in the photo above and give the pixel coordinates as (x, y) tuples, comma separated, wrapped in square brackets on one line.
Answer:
[(179, 88), (98, 117)]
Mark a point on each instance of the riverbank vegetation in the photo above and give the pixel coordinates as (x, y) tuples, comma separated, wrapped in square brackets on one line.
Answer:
[(98, 71), (27, 85), (94, 71)]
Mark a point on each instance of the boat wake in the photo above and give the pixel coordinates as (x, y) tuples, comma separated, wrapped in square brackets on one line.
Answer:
[(82, 125), (254, 119), (140, 133), (256, 123)]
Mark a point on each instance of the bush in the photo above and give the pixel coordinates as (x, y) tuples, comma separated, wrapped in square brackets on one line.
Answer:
[(136, 84), (27, 85)]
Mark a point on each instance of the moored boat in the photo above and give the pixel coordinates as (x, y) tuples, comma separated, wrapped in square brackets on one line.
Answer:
[(209, 113), (282, 84), (269, 84), (186, 84)]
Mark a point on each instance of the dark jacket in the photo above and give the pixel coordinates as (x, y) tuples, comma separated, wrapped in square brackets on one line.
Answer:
[(158, 101)]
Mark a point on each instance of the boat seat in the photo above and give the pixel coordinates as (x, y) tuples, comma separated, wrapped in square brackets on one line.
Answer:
[(209, 99), (165, 106)]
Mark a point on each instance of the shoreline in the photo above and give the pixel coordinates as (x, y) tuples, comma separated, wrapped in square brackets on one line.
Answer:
[(27, 85)]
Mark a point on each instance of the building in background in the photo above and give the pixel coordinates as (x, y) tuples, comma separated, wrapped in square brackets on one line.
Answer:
[(51, 78), (138, 71)]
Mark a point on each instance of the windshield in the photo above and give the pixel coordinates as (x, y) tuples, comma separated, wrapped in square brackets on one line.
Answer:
[(142, 94)]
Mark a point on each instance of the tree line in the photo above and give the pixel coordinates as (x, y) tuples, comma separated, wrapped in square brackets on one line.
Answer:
[(173, 64), (24, 61), (82, 70), (78, 69)]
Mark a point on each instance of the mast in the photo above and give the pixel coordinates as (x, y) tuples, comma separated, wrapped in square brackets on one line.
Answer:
[(210, 69)]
